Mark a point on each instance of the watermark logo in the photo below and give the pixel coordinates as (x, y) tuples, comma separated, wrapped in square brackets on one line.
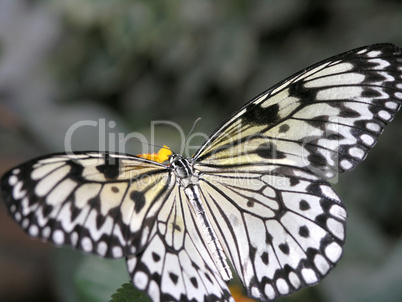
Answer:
[(315, 152)]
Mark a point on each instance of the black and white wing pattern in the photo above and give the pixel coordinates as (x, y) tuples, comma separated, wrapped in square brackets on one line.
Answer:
[(262, 173), (255, 194), (95, 202), (116, 205), (324, 118)]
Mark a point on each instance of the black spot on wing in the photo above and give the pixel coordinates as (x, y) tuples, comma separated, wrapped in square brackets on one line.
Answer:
[(139, 200), (304, 232), (284, 128), (305, 95), (347, 112), (111, 168), (194, 282), (264, 258), (174, 278), (46, 210), (255, 114), (208, 277), (100, 220), (315, 189), (268, 238), (269, 151), (176, 227), (284, 247), (294, 181), (304, 205), (155, 257)]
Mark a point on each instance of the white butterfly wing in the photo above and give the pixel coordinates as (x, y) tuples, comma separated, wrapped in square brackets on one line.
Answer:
[(176, 264), (324, 118), (99, 203), (118, 206), (262, 172), (280, 235)]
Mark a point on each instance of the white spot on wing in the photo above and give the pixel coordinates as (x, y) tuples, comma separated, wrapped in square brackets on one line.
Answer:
[(269, 291), (383, 114), (140, 280), (356, 152), (367, 139), (392, 105), (373, 127), (74, 238), (294, 280), (18, 193), (153, 291), (33, 230), (337, 211), (346, 165), (329, 192), (12, 180), (46, 232), (373, 53), (333, 251), (58, 237), (309, 275), (86, 244), (282, 286), (25, 223), (117, 252), (102, 248), (336, 228), (17, 217), (131, 262), (321, 264)]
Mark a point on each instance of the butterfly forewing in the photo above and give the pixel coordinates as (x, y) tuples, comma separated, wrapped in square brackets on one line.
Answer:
[(325, 118), (99, 203)]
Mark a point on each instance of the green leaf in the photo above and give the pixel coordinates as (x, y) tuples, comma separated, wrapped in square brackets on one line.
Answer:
[(127, 293)]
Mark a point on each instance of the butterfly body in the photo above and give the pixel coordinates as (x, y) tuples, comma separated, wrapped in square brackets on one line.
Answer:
[(256, 193), (187, 179)]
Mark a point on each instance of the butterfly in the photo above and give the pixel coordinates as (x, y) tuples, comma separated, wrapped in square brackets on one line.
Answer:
[(255, 196)]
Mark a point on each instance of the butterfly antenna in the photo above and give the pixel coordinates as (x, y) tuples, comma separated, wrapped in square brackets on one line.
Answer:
[(188, 135)]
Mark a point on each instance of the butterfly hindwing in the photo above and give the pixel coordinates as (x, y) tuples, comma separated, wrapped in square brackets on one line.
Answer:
[(279, 234), (99, 203), (176, 264)]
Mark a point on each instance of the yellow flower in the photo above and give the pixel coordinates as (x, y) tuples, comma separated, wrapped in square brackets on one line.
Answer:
[(162, 155)]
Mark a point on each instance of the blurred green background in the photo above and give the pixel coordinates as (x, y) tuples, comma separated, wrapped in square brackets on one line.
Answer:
[(133, 62)]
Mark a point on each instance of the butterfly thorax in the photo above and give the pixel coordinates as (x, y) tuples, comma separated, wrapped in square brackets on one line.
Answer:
[(183, 170)]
